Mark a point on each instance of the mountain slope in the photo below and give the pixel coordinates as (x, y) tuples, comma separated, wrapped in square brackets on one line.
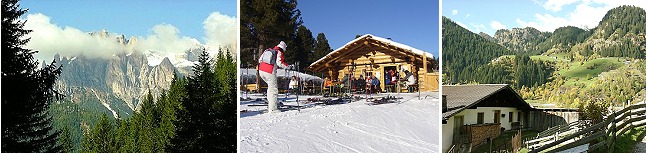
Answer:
[(521, 40), (464, 53), (621, 33), (563, 39)]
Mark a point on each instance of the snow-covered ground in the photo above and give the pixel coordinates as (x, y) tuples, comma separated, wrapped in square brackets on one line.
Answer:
[(409, 126)]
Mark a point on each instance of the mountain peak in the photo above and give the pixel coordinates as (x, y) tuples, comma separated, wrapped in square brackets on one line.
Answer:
[(166, 62)]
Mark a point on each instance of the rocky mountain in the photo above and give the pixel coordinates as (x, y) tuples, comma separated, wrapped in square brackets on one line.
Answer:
[(125, 78), (487, 37), (620, 33), (520, 39), (117, 84)]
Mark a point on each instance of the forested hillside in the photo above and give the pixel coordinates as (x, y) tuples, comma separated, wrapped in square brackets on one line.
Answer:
[(465, 53)]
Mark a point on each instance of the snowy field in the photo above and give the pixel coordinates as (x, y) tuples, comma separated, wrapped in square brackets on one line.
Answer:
[(409, 126)]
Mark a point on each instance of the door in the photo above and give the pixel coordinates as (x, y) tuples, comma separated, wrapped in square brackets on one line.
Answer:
[(496, 116), (458, 124)]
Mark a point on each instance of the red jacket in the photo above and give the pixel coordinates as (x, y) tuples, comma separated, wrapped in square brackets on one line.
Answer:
[(268, 66)]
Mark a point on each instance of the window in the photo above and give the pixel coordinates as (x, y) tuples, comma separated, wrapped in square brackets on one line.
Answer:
[(519, 117), (496, 116), (480, 118), (510, 116)]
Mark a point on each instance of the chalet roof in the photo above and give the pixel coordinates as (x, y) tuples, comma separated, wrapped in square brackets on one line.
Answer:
[(375, 41), (460, 97)]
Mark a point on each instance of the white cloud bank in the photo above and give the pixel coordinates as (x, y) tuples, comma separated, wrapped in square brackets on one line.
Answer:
[(497, 25), (221, 31), (586, 14), (49, 39), (454, 12), (164, 39)]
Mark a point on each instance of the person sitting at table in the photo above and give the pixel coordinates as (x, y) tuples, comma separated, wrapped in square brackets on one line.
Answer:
[(394, 77), (368, 84), (305, 85), (411, 80), (361, 83), (388, 77), (376, 84), (353, 83), (294, 84), (328, 83)]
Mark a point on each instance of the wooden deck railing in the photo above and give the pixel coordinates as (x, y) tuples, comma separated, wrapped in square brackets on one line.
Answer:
[(555, 133)]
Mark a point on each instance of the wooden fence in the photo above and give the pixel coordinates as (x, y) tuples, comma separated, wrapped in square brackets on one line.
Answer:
[(430, 82), (599, 135), (555, 133), (516, 141), (543, 119)]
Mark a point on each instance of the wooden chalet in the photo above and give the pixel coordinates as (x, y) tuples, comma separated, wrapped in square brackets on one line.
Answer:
[(374, 55)]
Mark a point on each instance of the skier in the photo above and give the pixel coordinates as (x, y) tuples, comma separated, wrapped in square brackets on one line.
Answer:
[(268, 63)]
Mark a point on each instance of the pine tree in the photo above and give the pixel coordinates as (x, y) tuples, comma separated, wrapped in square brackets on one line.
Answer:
[(27, 90), (126, 132), (145, 135), (65, 140), (201, 120), (101, 138), (226, 109), (267, 22), (321, 48), (304, 45)]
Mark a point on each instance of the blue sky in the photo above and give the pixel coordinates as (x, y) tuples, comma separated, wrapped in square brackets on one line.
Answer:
[(162, 28), (131, 17), (414, 23), (544, 15)]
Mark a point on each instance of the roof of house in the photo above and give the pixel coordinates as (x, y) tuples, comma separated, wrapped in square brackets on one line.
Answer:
[(380, 40), (460, 97)]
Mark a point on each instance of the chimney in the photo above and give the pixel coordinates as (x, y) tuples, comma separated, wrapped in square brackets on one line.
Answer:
[(444, 103)]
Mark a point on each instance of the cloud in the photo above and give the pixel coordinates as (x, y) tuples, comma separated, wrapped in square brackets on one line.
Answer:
[(164, 40), (467, 15), (221, 31), (556, 5), (478, 27), (497, 25), (454, 12), (49, 39), (587, 13)]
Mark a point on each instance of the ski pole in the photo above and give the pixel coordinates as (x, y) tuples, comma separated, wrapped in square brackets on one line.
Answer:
[(298, 87)]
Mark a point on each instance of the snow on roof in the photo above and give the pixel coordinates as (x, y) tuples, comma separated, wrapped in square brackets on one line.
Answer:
[(384, 40), (251, 72)]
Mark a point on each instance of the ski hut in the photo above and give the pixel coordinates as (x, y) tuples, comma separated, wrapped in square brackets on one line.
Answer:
[(374, 55)]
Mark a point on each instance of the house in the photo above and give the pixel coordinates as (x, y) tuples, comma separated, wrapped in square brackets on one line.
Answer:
[(373, 55), (474, 114)]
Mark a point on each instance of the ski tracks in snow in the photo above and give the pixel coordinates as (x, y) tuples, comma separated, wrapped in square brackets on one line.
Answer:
[(352, 127)]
